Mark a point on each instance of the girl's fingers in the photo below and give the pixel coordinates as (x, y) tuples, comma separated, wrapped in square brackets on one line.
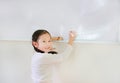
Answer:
[(72, 33)]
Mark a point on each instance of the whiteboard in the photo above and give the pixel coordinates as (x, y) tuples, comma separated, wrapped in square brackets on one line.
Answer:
[(93, 20)]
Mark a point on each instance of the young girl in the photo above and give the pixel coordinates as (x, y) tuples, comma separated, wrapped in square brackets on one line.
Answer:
[(45, 56)]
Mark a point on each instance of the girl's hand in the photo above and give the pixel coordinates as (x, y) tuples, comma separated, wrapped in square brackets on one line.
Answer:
[(57, 38), (49, 49), (72, 35)]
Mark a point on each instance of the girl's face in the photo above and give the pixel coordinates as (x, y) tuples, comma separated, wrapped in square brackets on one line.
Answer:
[(44, 43)]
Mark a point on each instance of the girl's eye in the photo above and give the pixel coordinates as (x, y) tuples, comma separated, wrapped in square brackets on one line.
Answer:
[(49, 41), (44, 41)]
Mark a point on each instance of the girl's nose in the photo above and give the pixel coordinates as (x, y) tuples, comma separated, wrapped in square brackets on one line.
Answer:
[(48, 44)]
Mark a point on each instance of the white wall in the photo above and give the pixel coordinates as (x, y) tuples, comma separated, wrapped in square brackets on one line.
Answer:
[(88, 63), (96, 20), (15, 62)]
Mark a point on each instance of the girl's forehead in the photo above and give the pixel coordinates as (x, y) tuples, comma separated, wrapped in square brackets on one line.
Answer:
[(45, 36)]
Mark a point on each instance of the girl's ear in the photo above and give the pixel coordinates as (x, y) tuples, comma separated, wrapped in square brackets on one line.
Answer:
[(35, 44)]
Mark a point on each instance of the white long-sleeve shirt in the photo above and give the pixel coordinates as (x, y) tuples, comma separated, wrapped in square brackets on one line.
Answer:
[(42, 64)]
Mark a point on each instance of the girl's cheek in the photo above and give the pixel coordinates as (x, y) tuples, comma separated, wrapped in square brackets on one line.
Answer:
[(41, 48)]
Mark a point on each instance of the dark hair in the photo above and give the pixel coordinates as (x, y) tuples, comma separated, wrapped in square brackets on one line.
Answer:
[(38, 33), (35, 37)]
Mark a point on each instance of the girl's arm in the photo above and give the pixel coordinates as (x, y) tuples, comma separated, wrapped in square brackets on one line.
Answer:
[(72, 36), (57, 58), (57, 38)]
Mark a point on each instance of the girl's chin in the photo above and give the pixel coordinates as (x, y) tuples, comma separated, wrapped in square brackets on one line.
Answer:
[(47, 51)]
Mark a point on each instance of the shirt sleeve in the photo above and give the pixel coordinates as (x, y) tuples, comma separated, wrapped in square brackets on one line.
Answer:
[(57, 58)]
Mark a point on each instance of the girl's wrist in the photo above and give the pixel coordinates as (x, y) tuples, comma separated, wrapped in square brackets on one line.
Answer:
[(71, 41)]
